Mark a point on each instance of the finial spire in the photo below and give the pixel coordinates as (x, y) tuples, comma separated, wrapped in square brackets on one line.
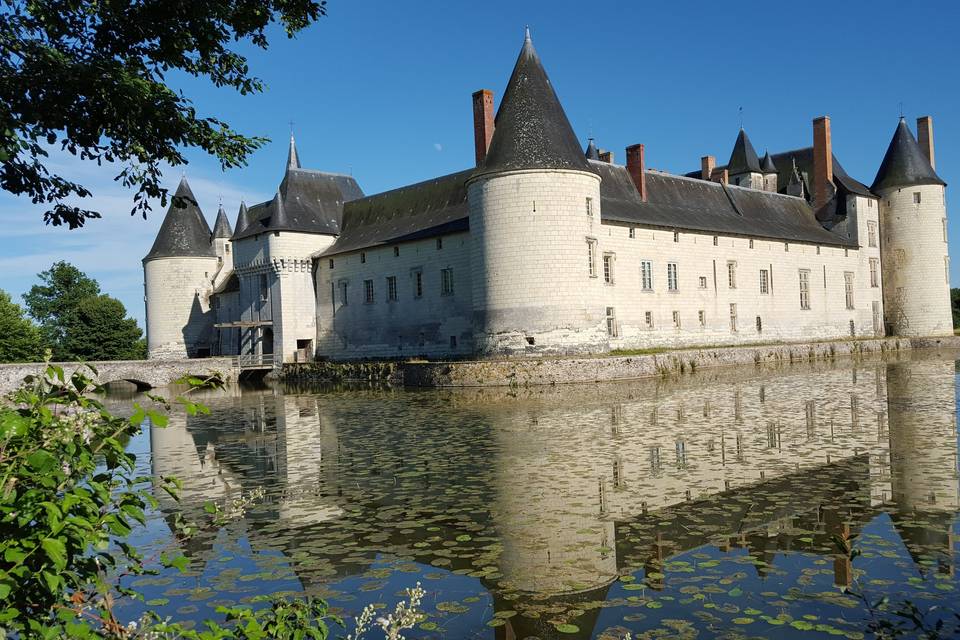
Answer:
[(293, 160), (526, 34)]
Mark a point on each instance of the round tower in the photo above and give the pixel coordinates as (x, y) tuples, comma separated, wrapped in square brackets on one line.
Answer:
[(913, 243), (534, 208), (222, 232), (177, 281)]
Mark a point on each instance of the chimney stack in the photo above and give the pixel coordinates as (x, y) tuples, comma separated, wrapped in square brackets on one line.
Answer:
[(720, 175), (925, 138), (822, 162), (482, 123), (636, 167), (606, 156), (707, 165)]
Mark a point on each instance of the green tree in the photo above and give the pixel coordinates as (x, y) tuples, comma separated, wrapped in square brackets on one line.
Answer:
[(54, 302), (955, 305), (92, 78), (101, 330), (20, 339)]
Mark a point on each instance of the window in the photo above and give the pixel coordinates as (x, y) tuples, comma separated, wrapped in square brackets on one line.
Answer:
[(916, 197), (702, 317), (676, 319), (759, 324), (732, 274), (264, 287), (876, 317), (446, 282), (733, 316), (590, 207), (751, 243), (703, 282), (391, 288), (418, 284), (592, 257), (633, 232), (869, 203), (804, 288), (764, 281), (648, 319), (368, 291), (871, 234), (331, 263), (396, 252), (848, 288), (874, 276), (846, 252), (343, 292), (363, 257), (608, 260), (714, 240), (646, 275), (786, 246), (611, 322), (672, 284), (681, 454), (439, 243), (676, 236)]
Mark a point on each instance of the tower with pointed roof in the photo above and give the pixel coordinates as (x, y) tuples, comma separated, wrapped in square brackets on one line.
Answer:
[(222, 232), (913, 228), (744, 166), (769, 173), (534, 211), (178, 275)]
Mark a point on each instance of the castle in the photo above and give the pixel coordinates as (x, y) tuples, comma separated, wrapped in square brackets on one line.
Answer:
[(544, 248)]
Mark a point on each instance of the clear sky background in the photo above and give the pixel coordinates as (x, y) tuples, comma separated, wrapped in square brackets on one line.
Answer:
[(382, 90)]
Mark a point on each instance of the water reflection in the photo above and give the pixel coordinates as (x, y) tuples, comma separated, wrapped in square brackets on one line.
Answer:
[(555, 498)]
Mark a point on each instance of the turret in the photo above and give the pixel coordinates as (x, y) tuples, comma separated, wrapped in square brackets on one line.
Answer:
[(769, 173), (913, 227), (744, 166), (177, 280), (795, 185), (534, 206), (221, 236)]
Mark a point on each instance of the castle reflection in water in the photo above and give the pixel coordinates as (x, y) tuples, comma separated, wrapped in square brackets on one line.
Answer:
[(557, 491)]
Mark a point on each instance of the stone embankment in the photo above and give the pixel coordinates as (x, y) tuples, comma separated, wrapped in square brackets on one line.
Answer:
[(143, 373), (571, 370)]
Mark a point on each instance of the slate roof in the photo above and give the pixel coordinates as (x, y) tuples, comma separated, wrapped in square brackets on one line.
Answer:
[(421, 210), (184, 231), (767, 164), (678, 202), (307, 202), (591, 152), (904, 164), (743, 159), (221, 228), (242, 219), (531, 129)]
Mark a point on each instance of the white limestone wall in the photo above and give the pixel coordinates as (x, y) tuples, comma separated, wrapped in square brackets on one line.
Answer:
[(177, 293), (409, 326), (917, 287), (698, 257), (529, 231)]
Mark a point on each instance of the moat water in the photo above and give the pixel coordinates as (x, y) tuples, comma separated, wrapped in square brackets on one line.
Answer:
[(707, 506)]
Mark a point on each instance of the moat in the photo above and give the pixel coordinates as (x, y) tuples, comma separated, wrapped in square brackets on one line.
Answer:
[(706, 506)]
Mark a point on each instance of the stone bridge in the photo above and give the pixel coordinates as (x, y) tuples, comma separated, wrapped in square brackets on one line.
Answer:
[(143, 373)]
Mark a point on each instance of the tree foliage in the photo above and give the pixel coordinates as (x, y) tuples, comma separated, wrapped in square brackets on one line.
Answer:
[(92, 79), (78, 321), (20, 339), (955, 306)]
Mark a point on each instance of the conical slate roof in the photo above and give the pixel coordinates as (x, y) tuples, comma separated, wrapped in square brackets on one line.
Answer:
[(184, 232), (531, 128), (221, 228), (767, 164), (242, 220), (293, 160), (591, 153), (904, 164), (744, 157)]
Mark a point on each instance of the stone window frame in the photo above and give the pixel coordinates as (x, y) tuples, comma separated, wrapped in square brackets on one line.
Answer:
[(591, 256), (803, 276), (446, 281), (613, 330), (731, 274), (703, 282), (673, 277), (392, 289), (646, 275), (417, 274), (871, 233), (764, 282), (874, 265), (609, 267), (733, 317), (368, 291), (848, 289)]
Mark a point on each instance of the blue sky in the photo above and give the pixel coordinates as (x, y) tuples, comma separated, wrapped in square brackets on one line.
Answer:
[(382, 90)]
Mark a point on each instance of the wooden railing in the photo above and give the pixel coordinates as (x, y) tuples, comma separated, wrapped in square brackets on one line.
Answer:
[(255, 361)]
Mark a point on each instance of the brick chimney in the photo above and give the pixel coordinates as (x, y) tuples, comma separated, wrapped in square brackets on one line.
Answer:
[(707, 165), (720, 175), (482, 123), (635, 167), (822, 162), (606, 156), (925, 138)]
